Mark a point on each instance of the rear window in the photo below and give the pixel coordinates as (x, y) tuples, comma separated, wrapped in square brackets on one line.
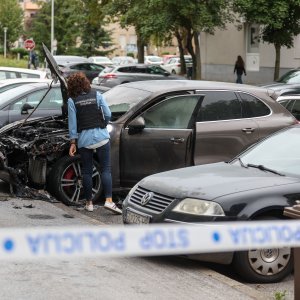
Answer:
[(253, 107)]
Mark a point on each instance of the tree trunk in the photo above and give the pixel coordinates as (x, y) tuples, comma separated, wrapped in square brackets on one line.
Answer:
[(140, 48), (189, 46), (181, 52), (197, 72), (277, 61)]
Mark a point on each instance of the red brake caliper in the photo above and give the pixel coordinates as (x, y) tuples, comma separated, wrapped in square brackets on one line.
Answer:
[(69, 174)]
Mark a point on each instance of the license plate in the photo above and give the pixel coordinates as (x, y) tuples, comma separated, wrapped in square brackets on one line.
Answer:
[(135, 218)]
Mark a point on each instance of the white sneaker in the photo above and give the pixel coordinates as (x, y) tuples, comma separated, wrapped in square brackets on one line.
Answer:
[(112, 207), (89, 207)]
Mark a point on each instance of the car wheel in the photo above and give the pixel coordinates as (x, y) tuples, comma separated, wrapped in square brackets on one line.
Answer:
[(173, 72), (264, 265), (65, 181)]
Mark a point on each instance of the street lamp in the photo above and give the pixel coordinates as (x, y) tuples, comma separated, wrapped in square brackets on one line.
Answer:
[(5, 31), (52, 27)]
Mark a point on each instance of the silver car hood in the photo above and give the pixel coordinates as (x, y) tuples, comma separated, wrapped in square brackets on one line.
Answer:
[(212, 181)]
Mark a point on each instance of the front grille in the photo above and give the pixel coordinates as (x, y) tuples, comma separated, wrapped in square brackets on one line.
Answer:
[(158, 202)]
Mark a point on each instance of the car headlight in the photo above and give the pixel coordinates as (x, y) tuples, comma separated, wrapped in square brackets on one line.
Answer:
[(199, 207)]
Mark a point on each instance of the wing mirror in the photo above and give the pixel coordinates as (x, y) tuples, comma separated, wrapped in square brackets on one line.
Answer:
[(136, 125), (25, 108)]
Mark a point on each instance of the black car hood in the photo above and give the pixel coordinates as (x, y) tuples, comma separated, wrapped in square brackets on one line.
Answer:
[(56, 73), (212, 181)]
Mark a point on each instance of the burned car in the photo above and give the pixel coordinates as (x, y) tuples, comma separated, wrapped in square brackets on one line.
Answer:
[(155, 126)]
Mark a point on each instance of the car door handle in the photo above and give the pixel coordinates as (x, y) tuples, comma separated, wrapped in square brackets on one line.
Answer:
[(177, 140), (248, 130)]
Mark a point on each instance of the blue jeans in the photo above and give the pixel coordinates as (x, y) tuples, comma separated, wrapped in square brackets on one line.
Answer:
[(239, 78), (103, 157)]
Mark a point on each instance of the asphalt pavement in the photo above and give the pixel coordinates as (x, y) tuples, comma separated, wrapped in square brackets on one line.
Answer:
[(112, 278)]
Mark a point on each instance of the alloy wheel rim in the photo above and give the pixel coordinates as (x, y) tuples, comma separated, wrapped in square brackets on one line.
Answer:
[(71, 183), (269, 262)]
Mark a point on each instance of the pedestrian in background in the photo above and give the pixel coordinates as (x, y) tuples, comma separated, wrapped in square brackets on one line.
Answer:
[(88, 115), (239, 69), (32, 59)]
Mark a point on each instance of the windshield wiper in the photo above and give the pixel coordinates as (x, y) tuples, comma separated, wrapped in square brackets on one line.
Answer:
[(241, 162), (263, 168)]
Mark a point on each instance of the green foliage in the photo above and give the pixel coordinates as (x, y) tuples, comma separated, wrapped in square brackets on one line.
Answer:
[(130, 54), (280, 295), (280, 18), (76, 22), (11, 16), (23, 52), (11, 62)]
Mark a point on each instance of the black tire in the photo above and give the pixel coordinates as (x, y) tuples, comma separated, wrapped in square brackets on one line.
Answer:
[(173, 72), (65, 181), (264, 265)]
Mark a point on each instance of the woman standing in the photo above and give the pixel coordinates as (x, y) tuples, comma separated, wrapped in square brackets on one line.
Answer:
[(88, 115), (239, 68)]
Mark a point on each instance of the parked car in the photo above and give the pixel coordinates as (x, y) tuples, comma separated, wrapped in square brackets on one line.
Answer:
[(156, 126), (123, 60), (101, 60), (19, 102), (111, 77), (288, 83), (12, 73), (8, 84), (61, 60), (153, 60), (291, 103), (166, 57), (173, 65), (256, 185), (91, 70)]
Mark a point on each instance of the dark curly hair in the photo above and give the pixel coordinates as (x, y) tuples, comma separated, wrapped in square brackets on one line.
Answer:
[(78, 84)]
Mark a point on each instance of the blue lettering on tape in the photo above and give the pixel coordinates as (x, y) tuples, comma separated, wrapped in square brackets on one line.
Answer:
[(75, 243), (216, 237), (264, 235), (165, 239), (8, 245)]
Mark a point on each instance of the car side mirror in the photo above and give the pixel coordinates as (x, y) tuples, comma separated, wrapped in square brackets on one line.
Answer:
[(136, 125), (25, 108)]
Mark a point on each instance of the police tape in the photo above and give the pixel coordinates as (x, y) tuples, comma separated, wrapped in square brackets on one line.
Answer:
[(146, 240)]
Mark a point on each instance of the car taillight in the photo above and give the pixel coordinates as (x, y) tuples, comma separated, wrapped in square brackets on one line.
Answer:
[(109, 75), (178, 65)]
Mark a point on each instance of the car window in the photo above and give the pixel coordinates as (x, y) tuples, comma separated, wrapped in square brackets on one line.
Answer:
[(173, 112), (7, 75), (284, 102), (27, 75), (127, 70), (79, 67), (32, 99), (219, 106), (53, 100), (296, 109), (253, 107), (95, 67), (156, 70)]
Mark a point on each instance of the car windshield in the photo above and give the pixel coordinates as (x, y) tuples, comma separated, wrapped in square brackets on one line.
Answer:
[(154, 59), (292, 76), (280, 153), (120, 99)]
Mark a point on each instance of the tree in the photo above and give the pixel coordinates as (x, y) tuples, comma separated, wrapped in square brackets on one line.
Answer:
[(11, 16), (75, 22), (280, 20), (184, 19)]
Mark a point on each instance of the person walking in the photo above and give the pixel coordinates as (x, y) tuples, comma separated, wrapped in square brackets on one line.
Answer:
[(88, 115), (239, 69)]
